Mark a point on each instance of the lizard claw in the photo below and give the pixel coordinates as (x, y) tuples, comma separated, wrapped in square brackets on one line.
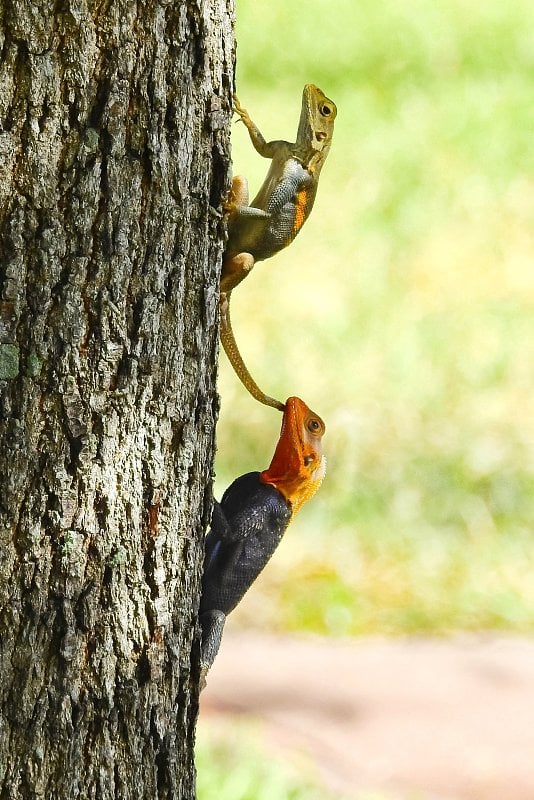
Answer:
[(240, 111)]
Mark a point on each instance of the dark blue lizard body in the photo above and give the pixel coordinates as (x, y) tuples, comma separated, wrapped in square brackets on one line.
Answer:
[(247, 527)]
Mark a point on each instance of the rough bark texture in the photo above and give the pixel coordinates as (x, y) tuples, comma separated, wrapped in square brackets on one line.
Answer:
[(113, 160)]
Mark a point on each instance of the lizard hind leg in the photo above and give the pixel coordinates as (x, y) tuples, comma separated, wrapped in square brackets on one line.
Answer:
[(234, 356), (212, 624), (234, 271)]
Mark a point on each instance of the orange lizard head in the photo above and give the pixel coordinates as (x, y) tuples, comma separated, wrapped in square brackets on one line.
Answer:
[(298, 464)]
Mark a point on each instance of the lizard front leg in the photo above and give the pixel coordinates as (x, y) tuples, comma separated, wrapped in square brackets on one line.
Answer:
[(265, 149)]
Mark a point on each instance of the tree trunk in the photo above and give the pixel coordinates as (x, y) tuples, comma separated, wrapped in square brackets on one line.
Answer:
[(114, 157)]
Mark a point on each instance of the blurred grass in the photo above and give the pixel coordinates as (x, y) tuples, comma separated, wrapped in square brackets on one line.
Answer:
[(232, 764), (403, 314)]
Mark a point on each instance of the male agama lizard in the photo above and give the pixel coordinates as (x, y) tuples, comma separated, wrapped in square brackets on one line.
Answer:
[(258, 230), (252, 517)]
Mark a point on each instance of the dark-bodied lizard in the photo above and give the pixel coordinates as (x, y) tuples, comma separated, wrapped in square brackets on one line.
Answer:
[(252, 517), (260, 229)]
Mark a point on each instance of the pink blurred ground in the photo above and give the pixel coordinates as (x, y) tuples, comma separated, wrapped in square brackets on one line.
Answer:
[(418, 719)]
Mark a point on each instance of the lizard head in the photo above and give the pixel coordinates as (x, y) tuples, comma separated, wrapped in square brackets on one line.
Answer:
[(298, 464), (316, 126)]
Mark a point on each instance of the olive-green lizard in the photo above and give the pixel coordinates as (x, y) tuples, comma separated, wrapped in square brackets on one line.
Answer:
[(260, 229)]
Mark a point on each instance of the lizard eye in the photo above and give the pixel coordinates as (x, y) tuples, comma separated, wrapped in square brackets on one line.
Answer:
[(314, 426), (325, 110)]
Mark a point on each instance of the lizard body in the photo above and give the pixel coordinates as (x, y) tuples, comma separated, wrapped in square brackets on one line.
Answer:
[(259, 229), (252, 517)]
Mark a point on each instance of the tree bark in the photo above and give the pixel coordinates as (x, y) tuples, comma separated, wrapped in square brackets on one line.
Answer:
[(114, 158)]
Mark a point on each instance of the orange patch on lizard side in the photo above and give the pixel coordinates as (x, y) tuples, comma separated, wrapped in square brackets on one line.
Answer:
[(300, 210)]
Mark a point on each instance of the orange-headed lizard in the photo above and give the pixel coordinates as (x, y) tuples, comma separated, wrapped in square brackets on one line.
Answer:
[(260, 229), (252, 517)]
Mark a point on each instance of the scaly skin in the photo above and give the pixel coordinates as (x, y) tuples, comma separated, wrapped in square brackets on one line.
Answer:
[(253, 516), (258, 230)]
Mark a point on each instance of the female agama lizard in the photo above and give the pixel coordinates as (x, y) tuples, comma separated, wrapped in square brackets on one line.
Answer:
[(258, 230), (252, 517)]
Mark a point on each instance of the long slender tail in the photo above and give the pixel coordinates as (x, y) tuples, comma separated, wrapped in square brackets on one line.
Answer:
[(234, 356)]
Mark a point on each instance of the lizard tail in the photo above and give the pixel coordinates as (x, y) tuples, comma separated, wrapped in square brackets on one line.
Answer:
[(234, 356)]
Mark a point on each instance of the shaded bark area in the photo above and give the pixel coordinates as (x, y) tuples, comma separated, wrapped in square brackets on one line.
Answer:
[(113, 161)]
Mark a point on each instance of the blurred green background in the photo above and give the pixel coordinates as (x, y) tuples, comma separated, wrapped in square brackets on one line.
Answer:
[(403, 314)]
